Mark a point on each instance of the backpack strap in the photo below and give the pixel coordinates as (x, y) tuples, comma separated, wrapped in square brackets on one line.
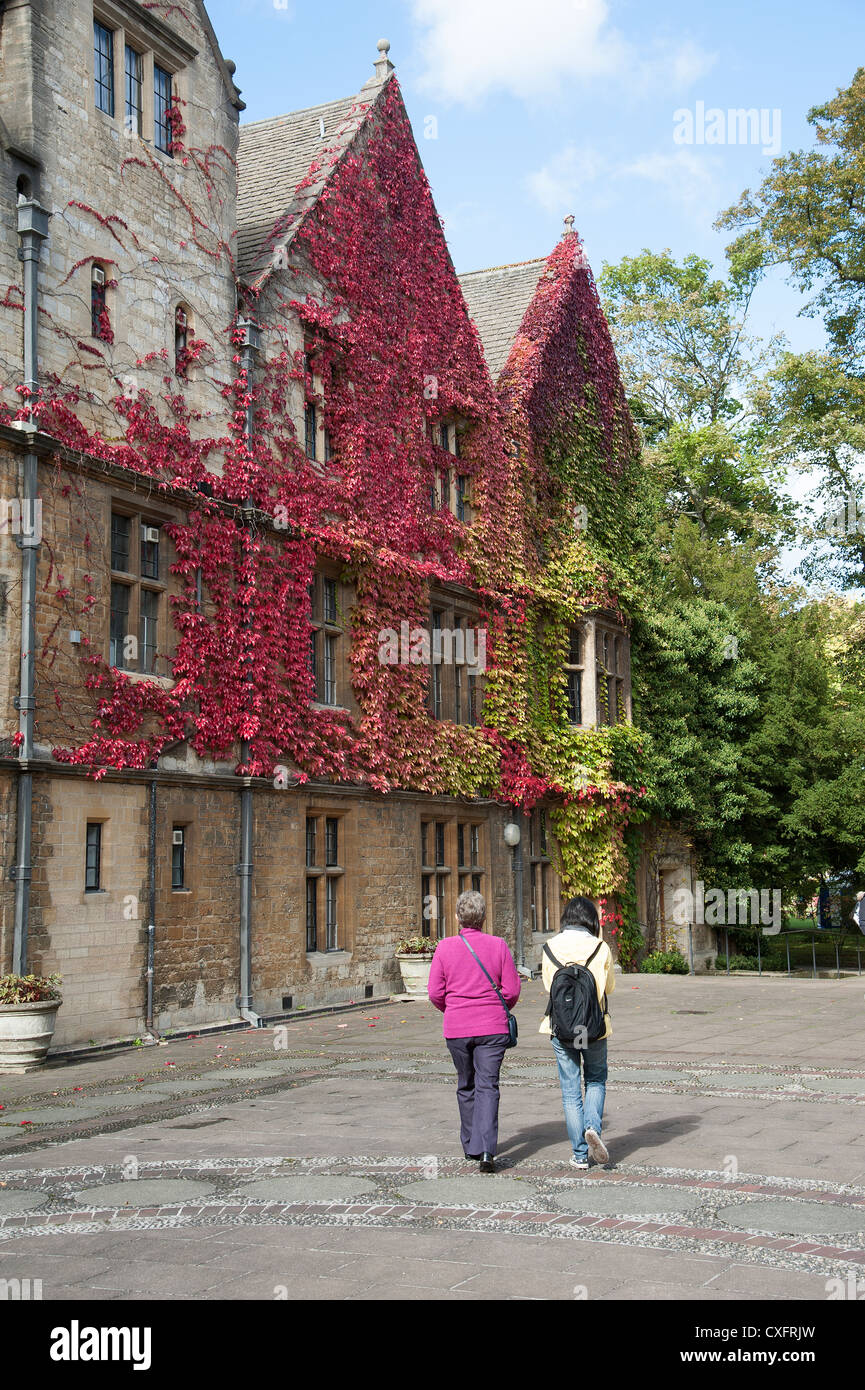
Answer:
[(594, 953)]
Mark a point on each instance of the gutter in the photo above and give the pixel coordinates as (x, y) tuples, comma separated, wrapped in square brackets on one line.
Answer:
[(151, 903), (32, 231), (249, 348)]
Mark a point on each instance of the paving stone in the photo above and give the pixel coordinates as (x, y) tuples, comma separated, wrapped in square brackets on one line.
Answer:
[(795, 1218), (145, 1192), (326, 1188), (621, 1199), (400, 1104), (14, 1200), (483, 1190), (740, 1080), (65, 1114), (842, 1086), (189, 1086), (759, 1281)]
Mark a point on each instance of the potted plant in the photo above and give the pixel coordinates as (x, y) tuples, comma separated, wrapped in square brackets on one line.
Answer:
[(415, 954), (28, 1012)]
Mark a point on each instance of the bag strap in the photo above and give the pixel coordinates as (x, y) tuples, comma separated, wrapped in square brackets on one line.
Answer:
[(585, 963), (594, 953), (548, 952), (488, 975)]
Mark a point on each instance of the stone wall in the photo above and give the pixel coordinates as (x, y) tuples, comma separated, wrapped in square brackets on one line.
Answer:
[(116, 198), (97, 940)]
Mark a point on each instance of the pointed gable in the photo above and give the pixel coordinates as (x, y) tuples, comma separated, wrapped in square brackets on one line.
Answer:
[(497, 301), (283, 165), (285, 162), (549, 346)]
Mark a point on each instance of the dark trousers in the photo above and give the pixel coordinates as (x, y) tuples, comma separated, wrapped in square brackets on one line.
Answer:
[(478, 1062)]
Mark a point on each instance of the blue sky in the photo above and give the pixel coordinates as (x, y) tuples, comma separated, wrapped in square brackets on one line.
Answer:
[(567, 106)]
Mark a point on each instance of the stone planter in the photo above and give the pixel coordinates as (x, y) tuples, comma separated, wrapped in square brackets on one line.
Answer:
[(26, 1031), (415, 970)]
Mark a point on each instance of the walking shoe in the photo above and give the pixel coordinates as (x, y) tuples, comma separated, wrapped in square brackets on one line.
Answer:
[(597, 1147), (473, 1157), (577, 1163), (488, 1164)]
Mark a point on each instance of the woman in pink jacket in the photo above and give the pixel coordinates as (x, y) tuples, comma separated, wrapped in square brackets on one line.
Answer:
[(475, 1025)]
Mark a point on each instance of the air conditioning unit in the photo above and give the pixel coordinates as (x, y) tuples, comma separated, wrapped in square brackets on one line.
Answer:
[(177, 836), (151, 534), (98, 275)]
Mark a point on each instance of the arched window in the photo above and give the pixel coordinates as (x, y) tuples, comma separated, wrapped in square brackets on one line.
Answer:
[(182, 340), (100, 323)]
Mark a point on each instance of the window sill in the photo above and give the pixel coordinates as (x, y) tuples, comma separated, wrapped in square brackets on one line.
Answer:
[(328, 957), (165, 682)]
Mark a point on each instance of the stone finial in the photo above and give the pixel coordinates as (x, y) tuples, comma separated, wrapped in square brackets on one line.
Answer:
[(383, 64), (569, 224)]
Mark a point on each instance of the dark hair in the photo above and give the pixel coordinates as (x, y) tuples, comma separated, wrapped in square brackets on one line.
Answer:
[(581, 912)]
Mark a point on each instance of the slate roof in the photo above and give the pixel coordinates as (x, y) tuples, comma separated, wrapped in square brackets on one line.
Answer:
[(497, 300), (273, 157)]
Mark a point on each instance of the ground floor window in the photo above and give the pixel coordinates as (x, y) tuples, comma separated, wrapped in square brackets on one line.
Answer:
[(543, 884), (325, 873), (452, 862)]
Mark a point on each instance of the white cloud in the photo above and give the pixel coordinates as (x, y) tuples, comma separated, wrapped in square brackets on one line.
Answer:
[(471, 48), (565, 179), (566, 182), (685, 174)]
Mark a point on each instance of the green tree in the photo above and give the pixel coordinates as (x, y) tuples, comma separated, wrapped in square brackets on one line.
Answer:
[(809, 214), (689, 365)]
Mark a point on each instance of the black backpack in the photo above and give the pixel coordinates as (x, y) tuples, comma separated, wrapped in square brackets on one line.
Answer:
[(574, 1010)]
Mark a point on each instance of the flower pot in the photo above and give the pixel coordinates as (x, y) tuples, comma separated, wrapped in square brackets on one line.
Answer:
[(26, 1031), (415, 969)]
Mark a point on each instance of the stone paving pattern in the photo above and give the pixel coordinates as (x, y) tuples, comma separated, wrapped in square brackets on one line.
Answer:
[(321, 1161)]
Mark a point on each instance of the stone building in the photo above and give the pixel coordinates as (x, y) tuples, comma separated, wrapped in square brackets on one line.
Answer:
[(186, 885)]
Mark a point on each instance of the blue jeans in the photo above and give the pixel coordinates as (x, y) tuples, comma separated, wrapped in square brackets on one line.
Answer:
[(580, 1116)]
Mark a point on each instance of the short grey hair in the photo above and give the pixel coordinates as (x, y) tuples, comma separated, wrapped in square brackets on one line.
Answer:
[(471, 909)]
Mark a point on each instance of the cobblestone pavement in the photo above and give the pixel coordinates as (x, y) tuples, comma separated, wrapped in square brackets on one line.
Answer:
[(321, 1160)]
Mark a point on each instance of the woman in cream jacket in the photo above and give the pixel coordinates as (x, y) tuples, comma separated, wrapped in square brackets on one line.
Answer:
[(573, 945)]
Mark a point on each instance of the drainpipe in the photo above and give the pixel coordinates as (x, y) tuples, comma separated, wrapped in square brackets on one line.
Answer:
[(32, 231), (151, 902), (249, 348)]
